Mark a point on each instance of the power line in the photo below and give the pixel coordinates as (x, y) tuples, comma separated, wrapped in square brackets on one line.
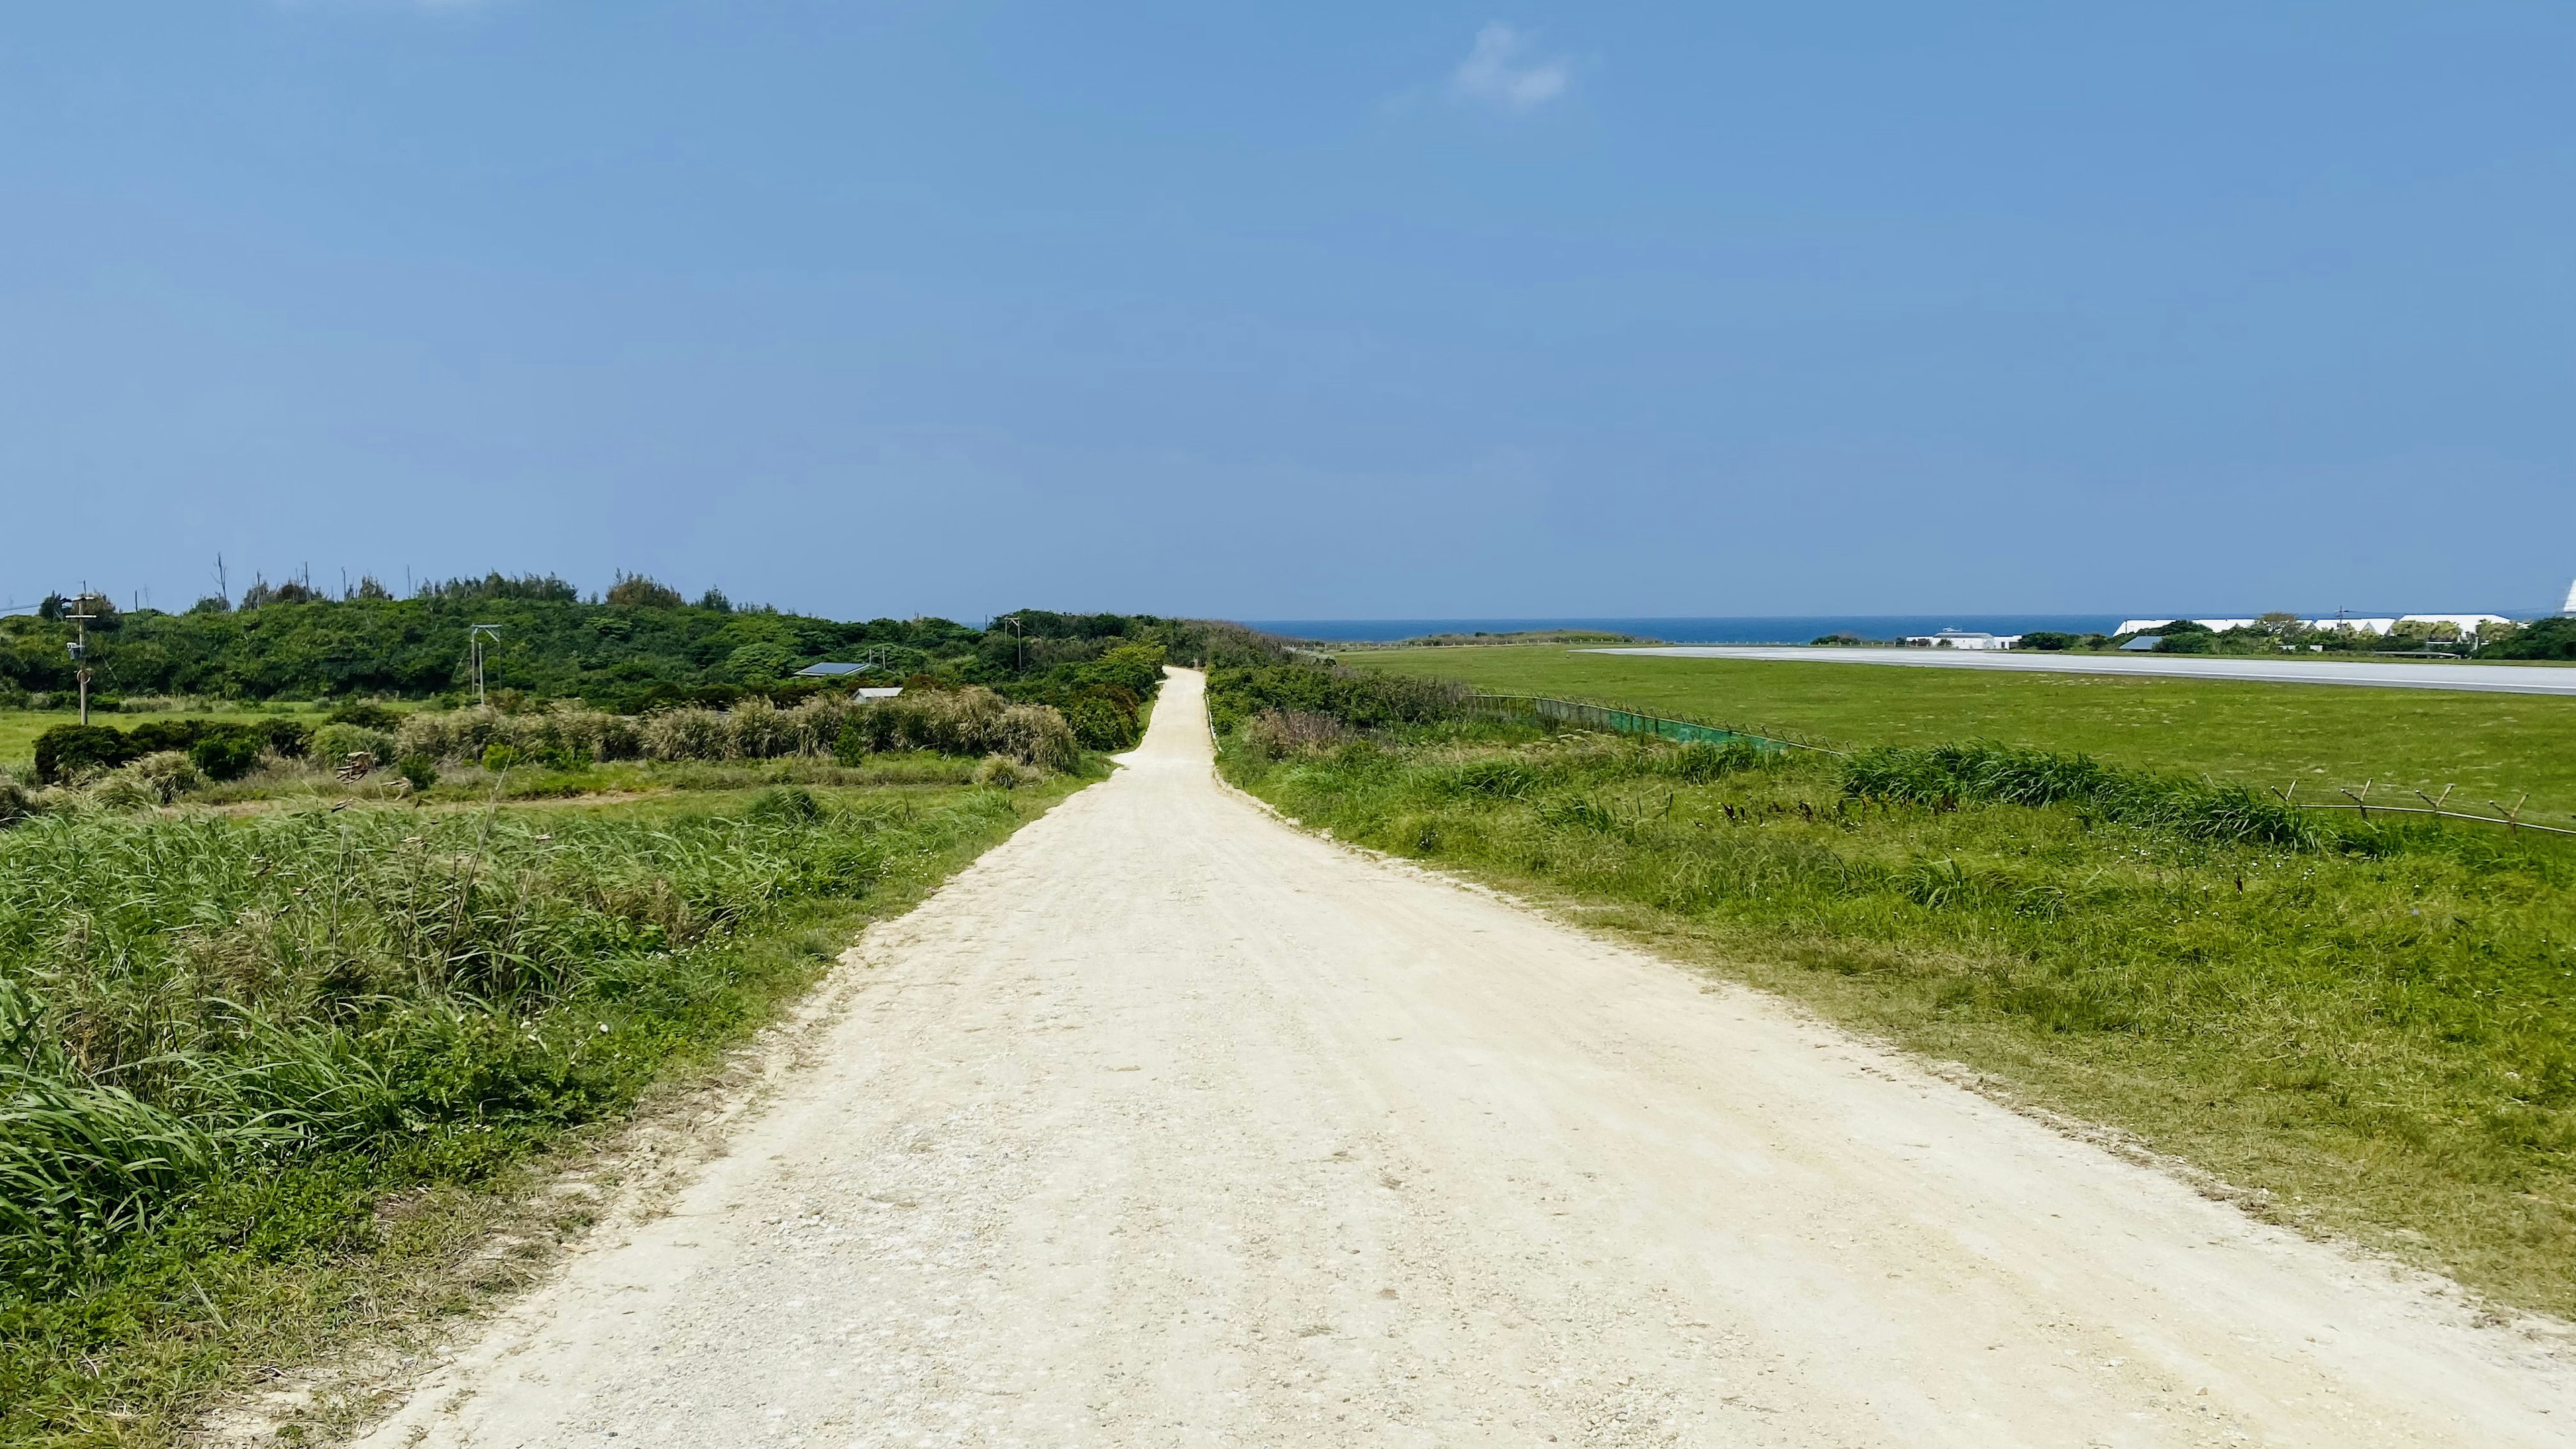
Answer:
[(474, 635)]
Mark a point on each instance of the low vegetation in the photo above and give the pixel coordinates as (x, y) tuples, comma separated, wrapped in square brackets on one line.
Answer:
[(2326, 738), (288, 996), (2365, 1025), (230, 1041)]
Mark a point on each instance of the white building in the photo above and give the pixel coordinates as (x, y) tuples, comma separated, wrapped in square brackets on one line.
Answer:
[(2465, 623), (1962, 639), (2215, 626), (2379, 624)]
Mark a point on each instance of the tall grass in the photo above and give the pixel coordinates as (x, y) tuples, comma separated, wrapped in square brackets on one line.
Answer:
[(1984, 771), (223, 1042), (969, 721), (181, 997), (2376, 1024)]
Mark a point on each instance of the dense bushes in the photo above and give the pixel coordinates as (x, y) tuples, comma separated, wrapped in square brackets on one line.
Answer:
[(2545, 639), (223, 749), (963, 721), (551, 646), (640, 649), (1949, 774), (1362, 700), (958, 722), (1103, 699)]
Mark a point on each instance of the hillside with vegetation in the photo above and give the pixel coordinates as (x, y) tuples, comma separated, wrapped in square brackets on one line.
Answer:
[(637, 646)]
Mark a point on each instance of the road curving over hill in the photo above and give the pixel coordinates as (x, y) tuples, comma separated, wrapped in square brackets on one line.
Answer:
[(1167, 1124)]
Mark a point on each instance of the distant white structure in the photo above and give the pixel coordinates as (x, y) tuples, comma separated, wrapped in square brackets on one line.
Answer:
[(2215, 626), (2570, 606), (1962, 639), (2465, 623)]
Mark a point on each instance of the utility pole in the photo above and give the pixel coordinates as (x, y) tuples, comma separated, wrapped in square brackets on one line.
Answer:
[(79, 646), (474, 634), (1019, 646)]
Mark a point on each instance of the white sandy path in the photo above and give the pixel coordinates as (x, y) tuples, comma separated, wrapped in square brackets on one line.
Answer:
[(1166, 1124)]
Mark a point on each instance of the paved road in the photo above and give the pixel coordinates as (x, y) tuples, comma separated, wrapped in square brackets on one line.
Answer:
[(1169, 1125), (2429, 674)]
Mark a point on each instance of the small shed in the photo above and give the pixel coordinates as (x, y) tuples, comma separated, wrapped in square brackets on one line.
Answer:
[(1962, 639)]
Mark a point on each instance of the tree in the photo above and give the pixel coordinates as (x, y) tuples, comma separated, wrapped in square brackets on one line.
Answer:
[(635, 591)]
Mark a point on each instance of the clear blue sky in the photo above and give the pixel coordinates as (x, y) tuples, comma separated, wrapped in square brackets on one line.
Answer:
[(1301, 310)]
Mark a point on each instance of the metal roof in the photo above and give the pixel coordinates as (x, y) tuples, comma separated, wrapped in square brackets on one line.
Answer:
[(831, 671)]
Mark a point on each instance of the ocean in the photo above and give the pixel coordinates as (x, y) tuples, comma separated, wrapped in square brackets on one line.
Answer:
[(1775, 629)]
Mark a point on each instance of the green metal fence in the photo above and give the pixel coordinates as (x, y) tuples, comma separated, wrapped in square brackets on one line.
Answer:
[(1622, 721)]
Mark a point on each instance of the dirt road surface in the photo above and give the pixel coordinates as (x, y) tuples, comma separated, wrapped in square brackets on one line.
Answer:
[(1169, 1125)]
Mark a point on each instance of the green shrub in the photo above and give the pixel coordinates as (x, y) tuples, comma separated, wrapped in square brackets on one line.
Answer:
[(68, 751), (1363, 700), (1101, 721), (365, 714), (333, 744), (419, 771), (1136, 668), (1943, 775), (2542, 639), (226, 756), (1279, 733), (785, 804), (497, 758)]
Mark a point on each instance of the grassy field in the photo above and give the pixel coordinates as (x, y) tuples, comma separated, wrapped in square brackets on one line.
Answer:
[(2491, 746), (271, 1079), (19, 727), (2366, 1029)]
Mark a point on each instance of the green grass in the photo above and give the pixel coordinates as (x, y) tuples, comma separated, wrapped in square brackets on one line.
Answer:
[(19, 727), (2491, 746), (268, 1081), (2370, 1030)]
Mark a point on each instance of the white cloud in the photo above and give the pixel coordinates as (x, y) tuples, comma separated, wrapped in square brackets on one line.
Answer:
[(1501, 71)]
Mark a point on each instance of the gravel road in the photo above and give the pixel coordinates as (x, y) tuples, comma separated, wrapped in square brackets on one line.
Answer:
[(1166, 1124)]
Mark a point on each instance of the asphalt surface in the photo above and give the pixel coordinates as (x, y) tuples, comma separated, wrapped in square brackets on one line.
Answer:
[(2410, 674)]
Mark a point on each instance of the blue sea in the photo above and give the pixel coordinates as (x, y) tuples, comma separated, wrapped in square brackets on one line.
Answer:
[(1776, 629)]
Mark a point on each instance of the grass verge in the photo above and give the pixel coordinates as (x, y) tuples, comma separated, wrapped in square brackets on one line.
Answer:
[(2370, 1030), (2327, 736), (271, 1081)]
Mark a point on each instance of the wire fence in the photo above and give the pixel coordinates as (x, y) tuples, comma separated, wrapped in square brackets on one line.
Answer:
[(1517, 707), (2508, 816)]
